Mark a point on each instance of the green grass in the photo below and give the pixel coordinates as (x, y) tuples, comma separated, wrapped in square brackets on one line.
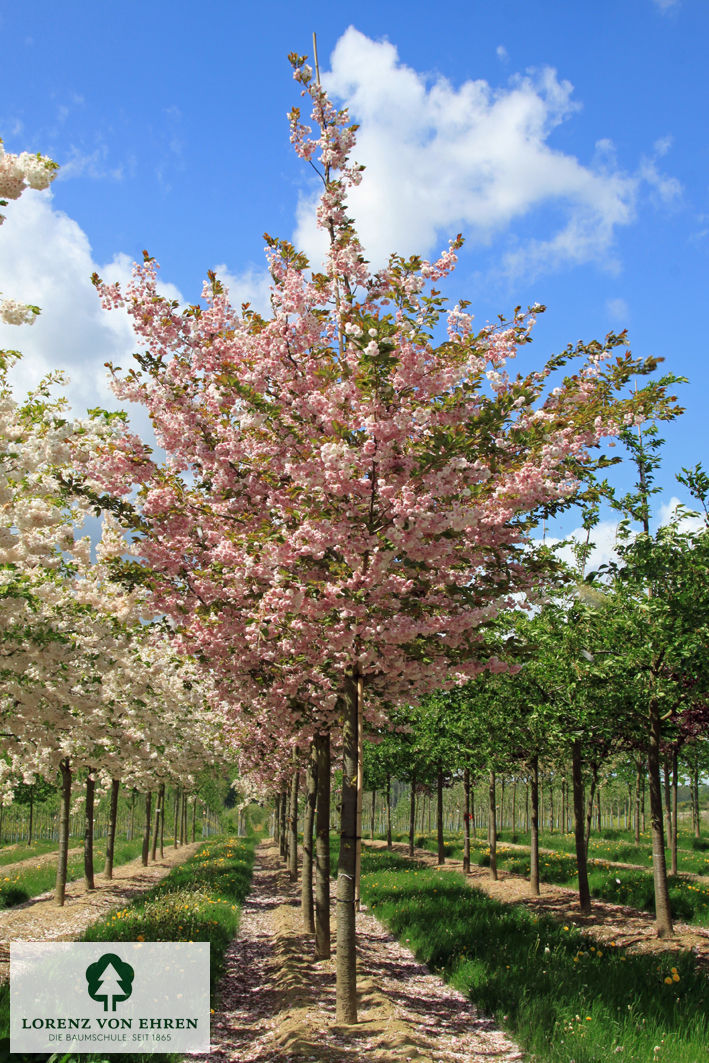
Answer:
[(689, 898), (15, 853), (560, 995), (14, 889), (198, 901)]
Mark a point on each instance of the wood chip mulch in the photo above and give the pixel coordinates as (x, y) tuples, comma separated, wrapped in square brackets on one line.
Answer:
[(277, 1005), (41, 919)]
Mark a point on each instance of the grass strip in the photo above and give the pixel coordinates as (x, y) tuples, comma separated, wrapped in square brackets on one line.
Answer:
[(558, 993), (33, 880), (199, 900), (689, 898)]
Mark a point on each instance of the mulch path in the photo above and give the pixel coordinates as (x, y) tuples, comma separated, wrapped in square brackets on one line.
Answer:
[(41, 919), (277, 1005), (625, 926)]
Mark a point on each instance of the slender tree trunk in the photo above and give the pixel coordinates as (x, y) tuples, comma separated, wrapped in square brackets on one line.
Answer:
[(412, 816), (293, 821), (534, 839), (183, 819), (638, 787), (176, 839), (492, 828), (371, 822), (112, 824), (346, 977), (514, 809), (589, 810), (663, 917), (466, 820), (581, 861), (276, 819), (159, 812), (284, 824), (388, 811), (306, 881), (675, 787), (89, 832), (695, 792), (551, 804), (132, 814), (668, 799), (30, 825), (360, 790), (146, 829), (194, 820), (564, 810), (322, 847), (439, 815), (64, 814)]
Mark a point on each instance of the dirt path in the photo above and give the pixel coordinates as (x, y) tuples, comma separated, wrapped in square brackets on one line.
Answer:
[(601, 860), (35, 861), (39, 919), (278, 1006), (618, 923)]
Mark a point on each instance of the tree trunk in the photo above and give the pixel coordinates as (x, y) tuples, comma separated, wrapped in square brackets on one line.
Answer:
[(534, 839), (466, 820), (194, 820), (663, 917), (159, 812), (112, 823), (89, 832), (162, 823), (277, 819), (695, 789), (388, 811), (360, 790), (175, 840), (146, 828), (492, 828), (675, 787), (346, 972), (64, 813), (412, 816), (306, 881), (668, 799), (581, 843), (322, 848), (132, 814), (439, 815), (638, 787), (293, 821), (31, 822), (589, 811), (371, 822), (284, 824)]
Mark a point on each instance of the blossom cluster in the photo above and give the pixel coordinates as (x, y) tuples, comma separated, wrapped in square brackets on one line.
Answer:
[(346, 494)]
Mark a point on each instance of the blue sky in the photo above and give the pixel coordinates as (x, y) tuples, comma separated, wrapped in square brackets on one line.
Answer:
[(569, 142)]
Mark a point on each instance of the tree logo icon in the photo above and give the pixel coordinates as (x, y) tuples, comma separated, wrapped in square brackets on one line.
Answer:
[(110, 979)]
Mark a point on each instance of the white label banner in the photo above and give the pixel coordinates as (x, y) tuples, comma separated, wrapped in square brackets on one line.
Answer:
[(104, 996)]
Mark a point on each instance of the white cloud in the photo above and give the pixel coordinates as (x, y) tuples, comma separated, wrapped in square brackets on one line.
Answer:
[(603, 537), (666, 5), (668, 512), (46, 259), (617, 310), (250, 286), (502, 53), (439, 159)]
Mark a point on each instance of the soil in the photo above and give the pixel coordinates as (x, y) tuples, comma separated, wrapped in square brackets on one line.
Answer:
[(34, 861), (41, 919), (277, 1004), (618, 923)]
